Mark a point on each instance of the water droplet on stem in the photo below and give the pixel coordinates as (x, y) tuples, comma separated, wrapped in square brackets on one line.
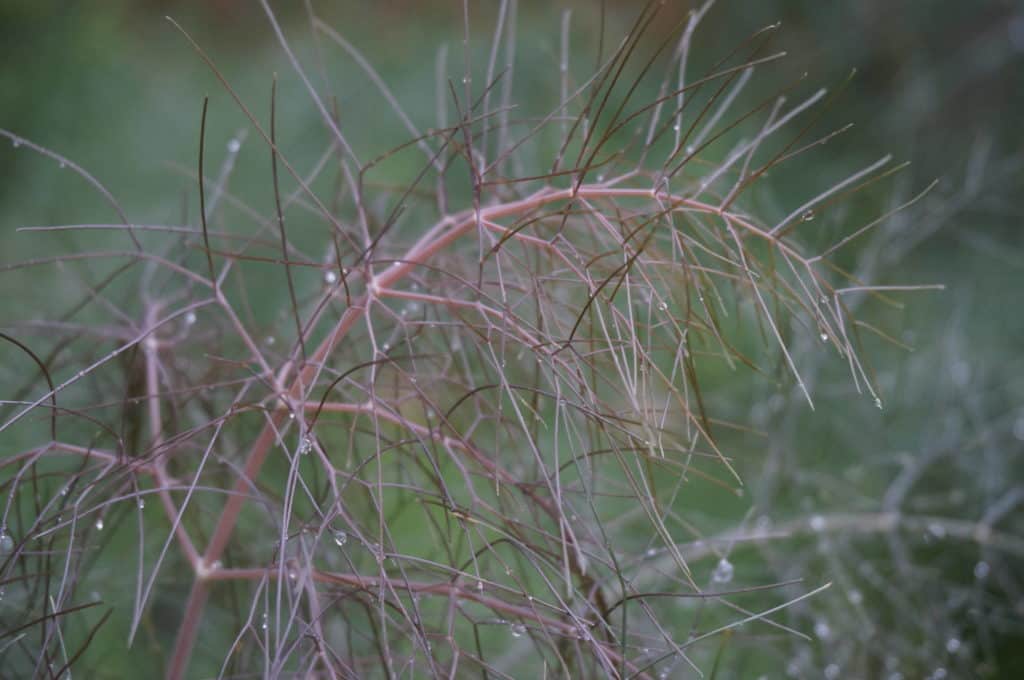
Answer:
[(723, 572)]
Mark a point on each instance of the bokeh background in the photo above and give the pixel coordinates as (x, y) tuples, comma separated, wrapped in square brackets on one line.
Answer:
[(116, 88)]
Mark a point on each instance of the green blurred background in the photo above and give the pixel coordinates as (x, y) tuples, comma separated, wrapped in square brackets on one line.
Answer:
[(116, 88)]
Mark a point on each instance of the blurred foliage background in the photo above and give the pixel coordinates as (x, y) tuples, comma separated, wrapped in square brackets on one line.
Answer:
[(116, 88)]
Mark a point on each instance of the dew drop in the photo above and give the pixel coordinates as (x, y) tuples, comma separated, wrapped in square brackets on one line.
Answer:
[(823, 336), (878, 403), (938, 674), (855, 596), (832, 671), (340, 538), (293, 575), (15, 143), (723, 572), (217, 565), (331, 277), (140, 503), (676, 128), (265, 623), (600, 178), (190, 318), (981, 570), (305, 445), (823, 300), (937, 530), (822, 630), (817, 523), (663, 306), (6, 542), (270, 340), (651, 552), (234, 145), (479, 586), (99, 524), (518, 630), (807, 216), (62, 165), (953, 645)]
